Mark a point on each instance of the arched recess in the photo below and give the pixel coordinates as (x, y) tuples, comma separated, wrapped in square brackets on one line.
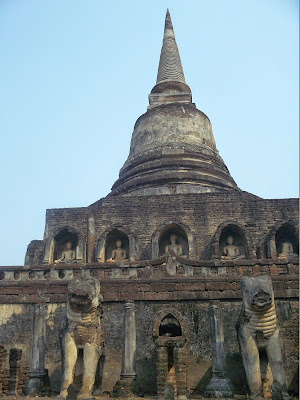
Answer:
[(240, 238), (185, 238), (281, 232), (57, 242), (107, 242), (178, 326), (170, 335)]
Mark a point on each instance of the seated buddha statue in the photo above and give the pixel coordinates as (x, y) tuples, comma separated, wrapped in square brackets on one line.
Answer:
[(118, 254), (231, 252), (287, 251), (176, 248), (67, 256)]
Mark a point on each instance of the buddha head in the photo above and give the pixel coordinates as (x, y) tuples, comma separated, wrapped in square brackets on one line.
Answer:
[(69, 245), (230, 240), (173, 238)]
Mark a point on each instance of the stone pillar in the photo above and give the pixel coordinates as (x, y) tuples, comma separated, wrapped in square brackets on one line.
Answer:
[(132, 249), (80, 251), (123, 387), (91, 239), (272, 252), (219, 385), (35, 383)]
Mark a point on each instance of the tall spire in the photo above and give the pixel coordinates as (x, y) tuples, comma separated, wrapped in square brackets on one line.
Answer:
[(172, 148), (170, 67), (170, 83)]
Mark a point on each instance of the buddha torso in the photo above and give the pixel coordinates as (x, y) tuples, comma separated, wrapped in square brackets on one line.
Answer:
[(287, 250), (118, 254), (176, 248), (231, 251), (68, 255)]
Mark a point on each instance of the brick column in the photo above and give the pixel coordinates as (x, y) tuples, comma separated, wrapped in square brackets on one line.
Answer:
[(161, 369), (14, 371), (180, 360), (3, 355)]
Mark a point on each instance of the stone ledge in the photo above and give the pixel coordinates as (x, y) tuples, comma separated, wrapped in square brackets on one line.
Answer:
[(167, 289), (158, 261)]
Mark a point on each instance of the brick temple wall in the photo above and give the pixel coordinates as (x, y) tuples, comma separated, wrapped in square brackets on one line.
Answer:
[(186, 285), (13, 373), (152, 288), (202, 214)]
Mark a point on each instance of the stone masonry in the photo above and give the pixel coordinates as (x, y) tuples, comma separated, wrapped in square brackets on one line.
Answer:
[(173, 184)]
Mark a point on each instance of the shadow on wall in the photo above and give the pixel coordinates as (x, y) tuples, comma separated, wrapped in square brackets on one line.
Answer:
[(146, 377), (56, 376), (235, 372), (55, 380), (146, 252), (294, 385), (145, 381)]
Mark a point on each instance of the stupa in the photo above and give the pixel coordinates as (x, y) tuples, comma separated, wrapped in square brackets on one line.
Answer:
[(169, 246)]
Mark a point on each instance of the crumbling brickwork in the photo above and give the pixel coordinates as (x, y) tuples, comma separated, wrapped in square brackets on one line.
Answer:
[(203, 214), (13, 374), (152, 288), (185, 235)]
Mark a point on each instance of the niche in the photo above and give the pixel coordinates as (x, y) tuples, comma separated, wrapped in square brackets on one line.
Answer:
[(169, 334), (170, 327), (239, 240), (60, 240), (181, 239), (111, 240), (287, 233)]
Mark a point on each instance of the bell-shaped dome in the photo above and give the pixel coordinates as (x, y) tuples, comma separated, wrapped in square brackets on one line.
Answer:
[(172, 147)]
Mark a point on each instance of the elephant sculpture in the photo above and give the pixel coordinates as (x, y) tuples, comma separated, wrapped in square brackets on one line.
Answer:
[(258, 330), (81, 329)]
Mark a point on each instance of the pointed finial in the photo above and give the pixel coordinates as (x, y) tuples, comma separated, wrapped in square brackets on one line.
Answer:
[(170, 67), (168, 21), (170, 84)]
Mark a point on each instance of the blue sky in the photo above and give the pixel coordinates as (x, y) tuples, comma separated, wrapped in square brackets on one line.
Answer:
[(75, 76)]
